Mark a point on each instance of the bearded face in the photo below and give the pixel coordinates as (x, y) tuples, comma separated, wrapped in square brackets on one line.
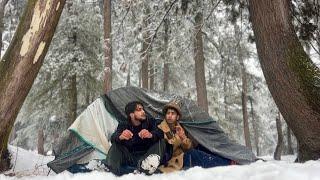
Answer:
[(139, 113)]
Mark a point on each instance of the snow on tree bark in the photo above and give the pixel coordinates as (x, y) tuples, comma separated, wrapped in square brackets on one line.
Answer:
[(199, 62), (145, 55), (293, 79), (22, 61), (3, 4), (166, 56), (108, 47)]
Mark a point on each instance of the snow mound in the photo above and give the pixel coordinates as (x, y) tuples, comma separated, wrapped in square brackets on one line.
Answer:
[(30, 165), (27, 163)]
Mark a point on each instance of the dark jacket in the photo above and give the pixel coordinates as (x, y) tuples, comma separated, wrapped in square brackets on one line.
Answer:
[(136, 144)]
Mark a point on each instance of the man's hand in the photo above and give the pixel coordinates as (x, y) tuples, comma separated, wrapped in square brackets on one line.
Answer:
[(126, 135), (180, 132), (145, 134)]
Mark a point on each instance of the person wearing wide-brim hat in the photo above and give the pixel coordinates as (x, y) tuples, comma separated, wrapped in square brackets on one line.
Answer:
[(184, 156), (174, 135), (174, 104)]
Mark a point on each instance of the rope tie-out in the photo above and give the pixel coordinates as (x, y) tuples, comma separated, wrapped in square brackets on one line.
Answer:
[(27, 170), (49, 172)]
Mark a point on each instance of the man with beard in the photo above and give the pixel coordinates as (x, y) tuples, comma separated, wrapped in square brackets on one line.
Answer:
[(136, 144)]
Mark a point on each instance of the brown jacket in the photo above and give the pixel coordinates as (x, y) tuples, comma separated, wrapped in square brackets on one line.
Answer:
[(179, 146)]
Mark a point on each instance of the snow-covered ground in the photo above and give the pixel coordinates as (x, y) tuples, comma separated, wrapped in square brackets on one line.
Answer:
[(27, 163), (30, 165)]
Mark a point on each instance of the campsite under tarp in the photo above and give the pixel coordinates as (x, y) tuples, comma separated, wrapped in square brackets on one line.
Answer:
[(86, 139)]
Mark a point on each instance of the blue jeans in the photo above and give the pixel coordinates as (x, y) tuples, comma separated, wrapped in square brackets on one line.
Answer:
[(195, 157)]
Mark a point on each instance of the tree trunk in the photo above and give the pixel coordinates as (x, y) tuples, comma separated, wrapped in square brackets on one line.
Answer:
[(199, 62), (87, 97), (151, 71), (225, 98), (40, 141), (22, 61), (13, 134), (255, 129), (140, 78), (55, 139), (166, 76), (152, 76), (72, 81), (128, 76), (292, 78), (3, 4), (225, 70), (73, 102), (244, 99), (278, 151), (108, 47), (290, 149), (145, 50), (166, 55), (244, 93), (144, 67)]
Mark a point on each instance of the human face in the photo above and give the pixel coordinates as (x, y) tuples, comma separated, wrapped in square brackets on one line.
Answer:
[(139, 113), (172, 116)]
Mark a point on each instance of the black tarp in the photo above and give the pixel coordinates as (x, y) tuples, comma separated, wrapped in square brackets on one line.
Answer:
[(68, 151), (201, 127)]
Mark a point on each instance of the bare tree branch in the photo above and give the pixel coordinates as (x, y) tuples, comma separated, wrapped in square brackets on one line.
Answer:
[(162, 20), (213, 8)]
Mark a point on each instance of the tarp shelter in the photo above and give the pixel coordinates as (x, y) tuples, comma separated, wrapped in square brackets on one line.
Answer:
[(103, 115)]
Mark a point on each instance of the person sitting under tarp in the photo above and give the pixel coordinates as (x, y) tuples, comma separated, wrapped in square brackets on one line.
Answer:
[(184, 155), (137, 144), (88, 138)]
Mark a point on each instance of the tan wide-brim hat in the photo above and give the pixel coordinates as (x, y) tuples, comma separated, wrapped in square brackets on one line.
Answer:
[(174, 104)]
